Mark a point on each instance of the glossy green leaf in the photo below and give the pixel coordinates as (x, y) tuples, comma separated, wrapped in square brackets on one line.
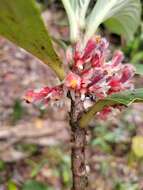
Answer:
[(21, 23), (123, 16), (124, 98)]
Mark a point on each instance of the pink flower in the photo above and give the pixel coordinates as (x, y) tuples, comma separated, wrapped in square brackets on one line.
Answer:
[(73, 81), (90, 47), (114, 85), (91, 77), (44, 94), (105, 113), (96, 60), (36, 95), (79, 64), (69, 55), (117, 58), (128, 72), (56, 93)]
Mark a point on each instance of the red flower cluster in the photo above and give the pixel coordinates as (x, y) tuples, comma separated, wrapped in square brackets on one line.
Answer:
[(92, 75), (44, 95)]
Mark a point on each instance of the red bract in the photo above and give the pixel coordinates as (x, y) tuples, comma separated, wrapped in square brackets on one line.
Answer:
[(91, 75), (90, 47), (127, 73), (117, 58)]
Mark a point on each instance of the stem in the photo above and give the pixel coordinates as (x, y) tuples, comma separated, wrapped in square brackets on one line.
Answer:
[(80, 179)]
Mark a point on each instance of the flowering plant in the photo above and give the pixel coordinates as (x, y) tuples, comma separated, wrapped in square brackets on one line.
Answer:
[(90, 77), (93, 80)]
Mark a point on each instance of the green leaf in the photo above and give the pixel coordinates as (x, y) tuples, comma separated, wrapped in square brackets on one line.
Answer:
[(21, 23), (128, 185), (11, 185), (137, 57), (82, 12), (71, 10), (34, 185), (2, 165), (76, 11), (124, 98), (139, 68), (137, 146), (38, 168), (123, 16), (18, 111), (74, 4)]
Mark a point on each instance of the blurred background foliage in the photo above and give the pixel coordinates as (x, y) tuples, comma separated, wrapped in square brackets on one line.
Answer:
[(115, 151)]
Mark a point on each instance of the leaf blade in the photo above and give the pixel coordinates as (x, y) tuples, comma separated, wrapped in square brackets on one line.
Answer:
[(21, 23), (123, 98), (139, 68), (126, 13)]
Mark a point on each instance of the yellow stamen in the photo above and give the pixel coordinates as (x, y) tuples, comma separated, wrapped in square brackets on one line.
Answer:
[(73, 83), (97, 39)]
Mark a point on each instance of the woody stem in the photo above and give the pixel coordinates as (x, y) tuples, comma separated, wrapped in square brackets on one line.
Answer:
[(80, 179)]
